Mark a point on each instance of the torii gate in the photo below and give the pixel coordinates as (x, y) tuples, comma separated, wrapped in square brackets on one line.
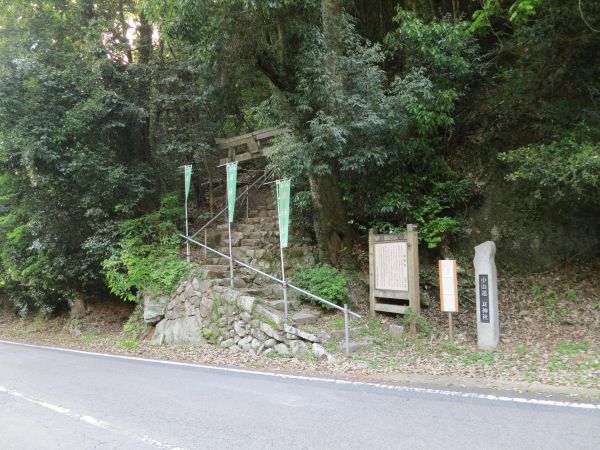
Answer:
[(248, 146)]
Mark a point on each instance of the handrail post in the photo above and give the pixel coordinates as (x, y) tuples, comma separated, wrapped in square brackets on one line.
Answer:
[(285, 300), (346, 331)]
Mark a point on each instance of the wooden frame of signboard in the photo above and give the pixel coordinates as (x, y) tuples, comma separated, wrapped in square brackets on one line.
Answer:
[(394, 271)]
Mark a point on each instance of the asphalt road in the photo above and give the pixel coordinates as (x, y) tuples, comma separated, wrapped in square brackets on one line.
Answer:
[(52, 399)]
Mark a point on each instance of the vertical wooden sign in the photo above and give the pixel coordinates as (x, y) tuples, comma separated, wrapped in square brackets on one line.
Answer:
[(448, 285), (448, 290)]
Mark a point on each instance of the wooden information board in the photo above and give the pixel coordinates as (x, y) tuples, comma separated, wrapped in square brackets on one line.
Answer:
[(394, 271)]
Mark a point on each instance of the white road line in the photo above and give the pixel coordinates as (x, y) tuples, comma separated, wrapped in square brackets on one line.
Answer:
[(89, 420), (431, 391)]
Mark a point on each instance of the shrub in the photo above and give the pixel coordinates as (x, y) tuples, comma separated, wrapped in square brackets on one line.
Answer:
[(423, 326), (147, 257), (324, 281), (135, 329)]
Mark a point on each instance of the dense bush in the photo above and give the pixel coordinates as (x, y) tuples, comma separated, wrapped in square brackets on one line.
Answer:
[(146, 259), (565, 172), (325, 281)]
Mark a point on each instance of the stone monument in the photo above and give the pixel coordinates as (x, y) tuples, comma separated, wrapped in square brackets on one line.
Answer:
[(486, 291)]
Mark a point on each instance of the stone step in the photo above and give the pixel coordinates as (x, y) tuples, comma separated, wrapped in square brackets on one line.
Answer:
[(251, 242), (221, 233), (253, 220), (279, 304), (215, 274), (265, 213), (248, 241), (245, 226), (242, 253), (216, 267), (265, 206), (237, 282), (257, 234), (248, 228), (306, 317), (268, 291), (218, 260)]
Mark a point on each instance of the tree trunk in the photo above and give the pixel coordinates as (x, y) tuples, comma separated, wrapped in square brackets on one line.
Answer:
[(330, 14), (334, 234), (123, 30), (78, 307)]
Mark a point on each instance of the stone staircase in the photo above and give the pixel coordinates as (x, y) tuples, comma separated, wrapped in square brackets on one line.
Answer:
[(255, 241)]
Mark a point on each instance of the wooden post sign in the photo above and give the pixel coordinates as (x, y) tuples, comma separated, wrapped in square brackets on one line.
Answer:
[(448, 290), (394, 271)]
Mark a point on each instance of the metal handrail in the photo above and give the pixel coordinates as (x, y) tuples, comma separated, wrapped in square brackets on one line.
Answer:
[(273, 278), (244, 193)]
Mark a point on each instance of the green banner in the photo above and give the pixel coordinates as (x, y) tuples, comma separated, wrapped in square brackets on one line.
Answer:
[(188, 179), (283, 205), (231, 188)]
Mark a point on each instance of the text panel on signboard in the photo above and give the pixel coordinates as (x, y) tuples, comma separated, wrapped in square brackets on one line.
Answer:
[(391, 266), (484, 299), (448, 285)]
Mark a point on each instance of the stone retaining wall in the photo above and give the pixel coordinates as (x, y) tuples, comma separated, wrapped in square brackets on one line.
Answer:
[(205, 313)]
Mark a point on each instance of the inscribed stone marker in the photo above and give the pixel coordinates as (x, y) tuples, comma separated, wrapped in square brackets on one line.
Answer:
[(486, 291)]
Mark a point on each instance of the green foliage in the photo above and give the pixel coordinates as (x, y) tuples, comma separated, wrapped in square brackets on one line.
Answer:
[(422, 324), (481, 17), (482, 358), (302, 209), (135, 329), (324, 281), (93, 127), (68, 152), (522, 10), (549, 137), (564, 172), (444, 49), (572, 348), (146, 259), (552, 302), (129, 344), (264, 318), (452, 348), (383, 137), (519, 12), (208, 335)]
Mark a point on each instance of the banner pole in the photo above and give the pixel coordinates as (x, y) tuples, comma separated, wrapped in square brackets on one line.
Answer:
[(284, 285), (187, 175), (230, 255), (231, 171), (187, 233), (285, 289)]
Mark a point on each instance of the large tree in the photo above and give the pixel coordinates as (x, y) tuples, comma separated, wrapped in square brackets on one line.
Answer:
[(72, 145)]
